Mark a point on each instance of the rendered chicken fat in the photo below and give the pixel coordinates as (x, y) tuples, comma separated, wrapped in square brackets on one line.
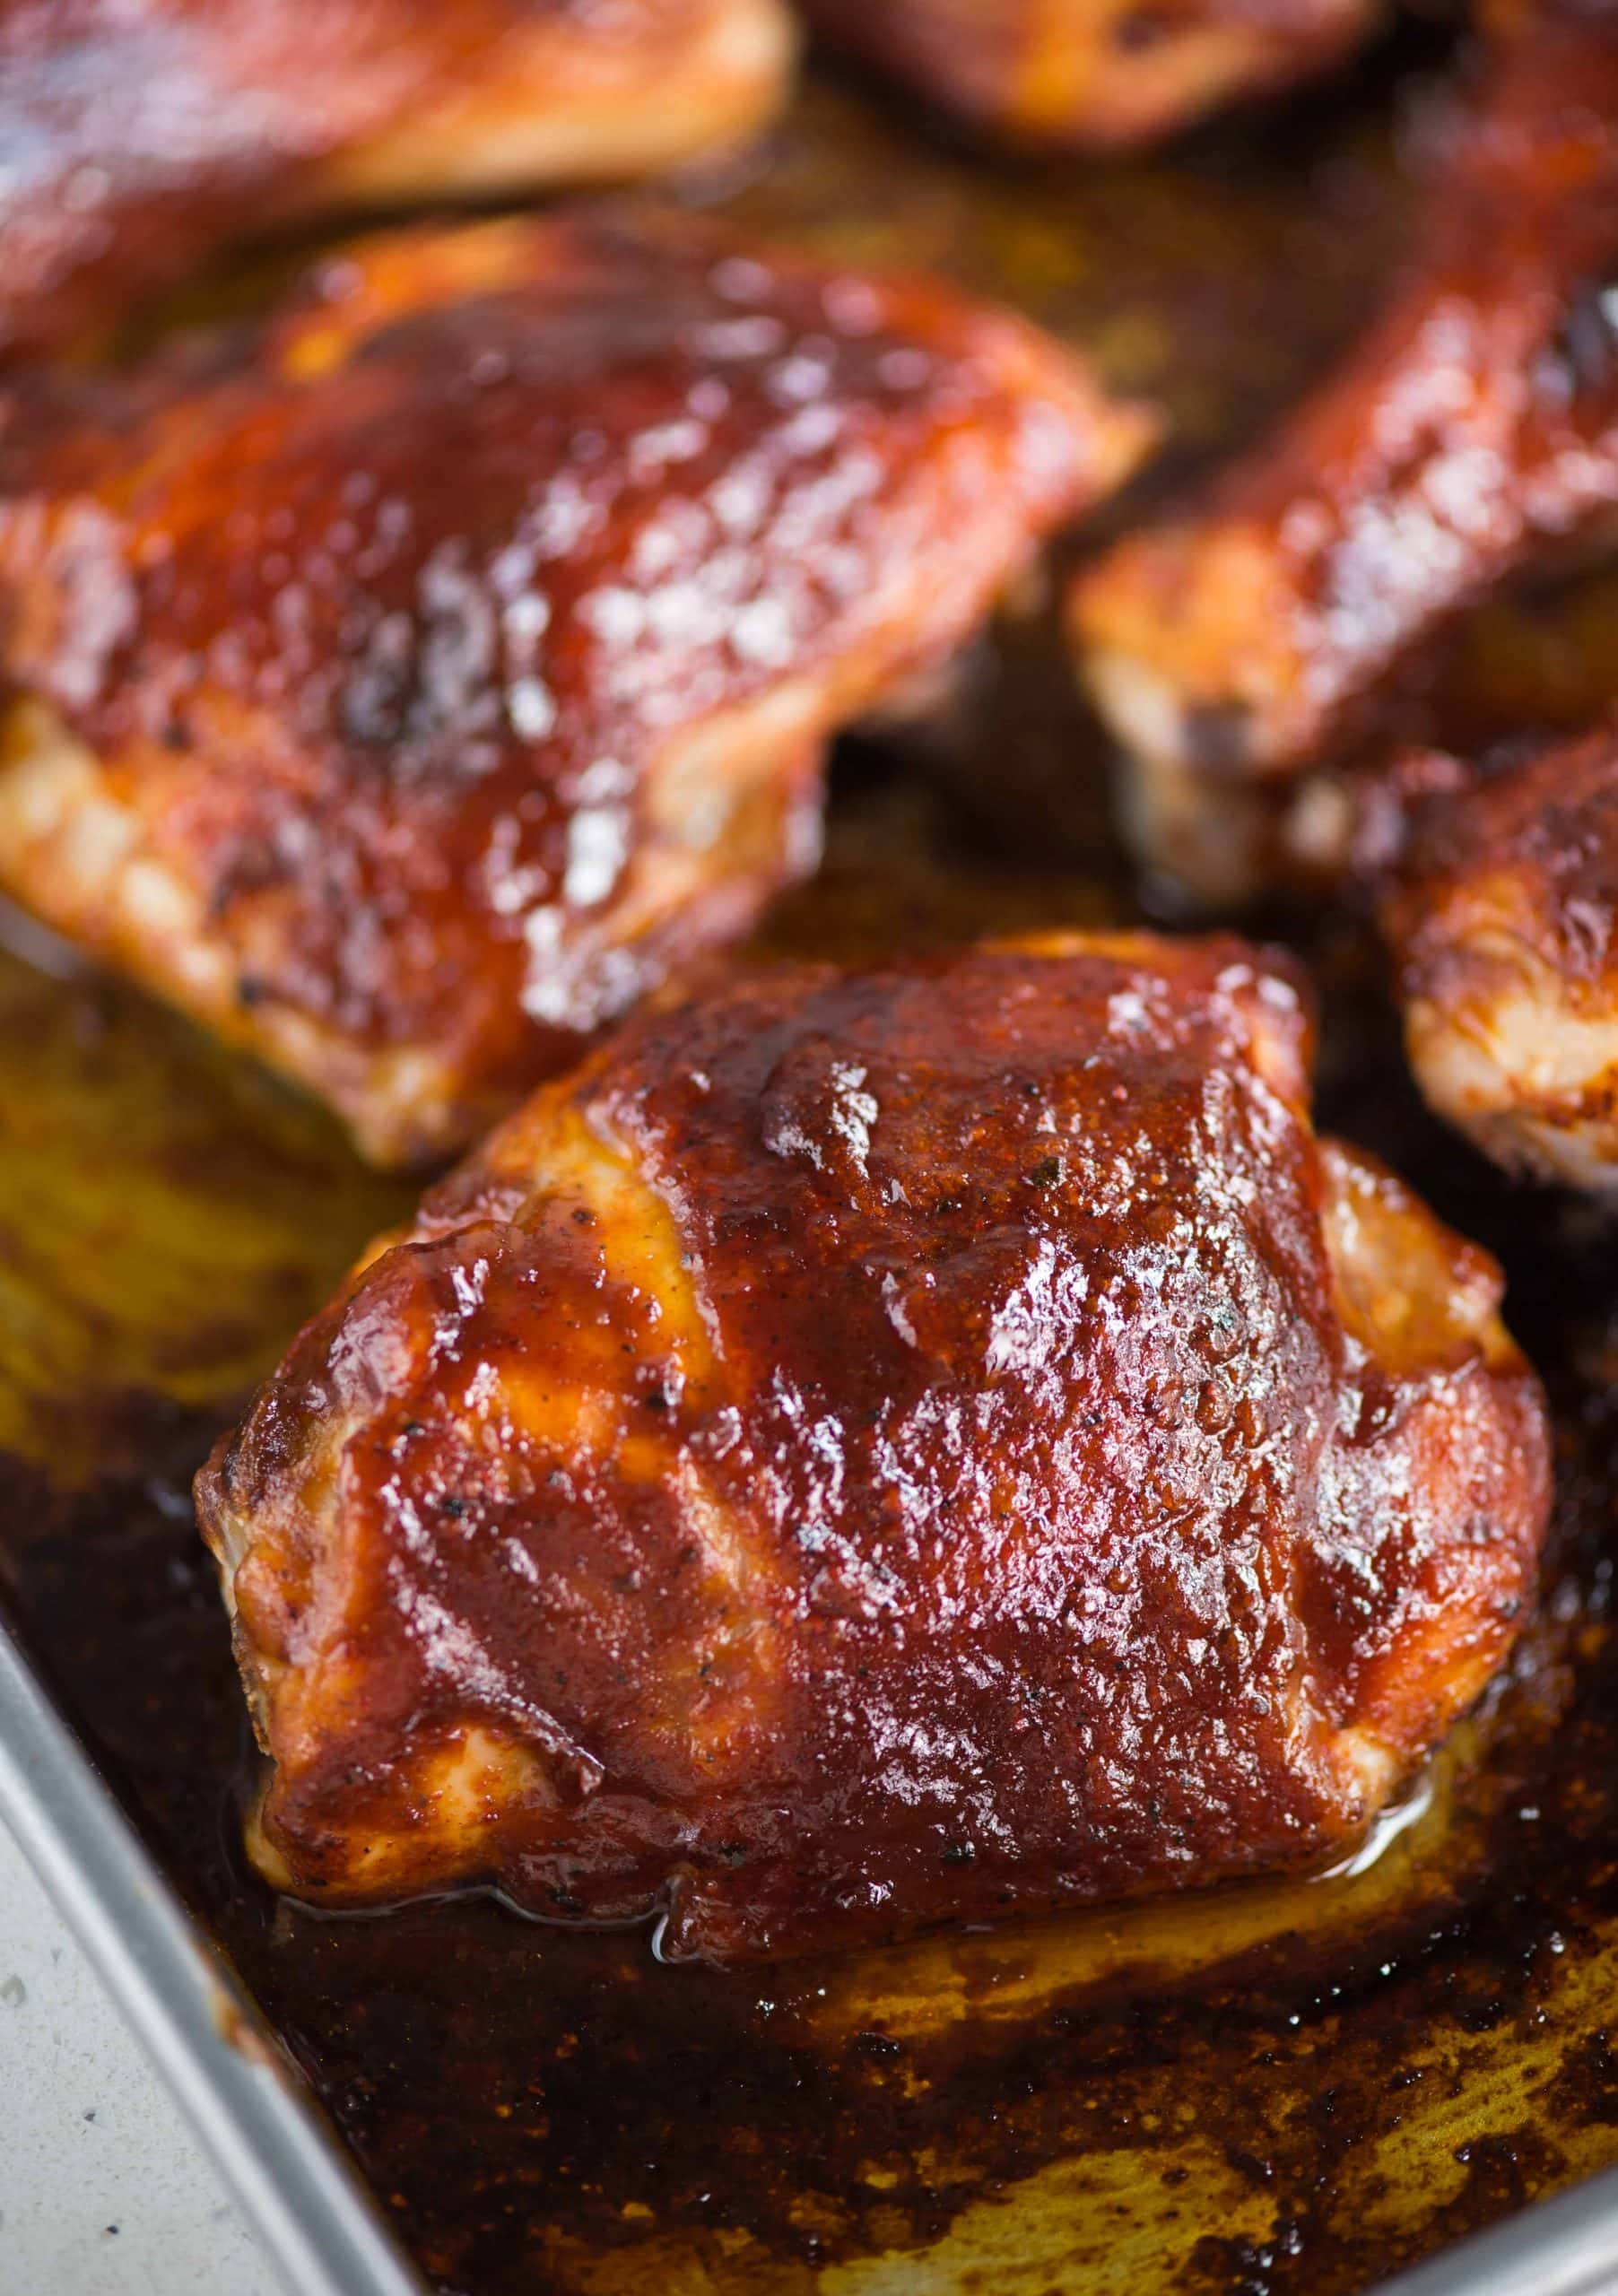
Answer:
[(874, 1449)]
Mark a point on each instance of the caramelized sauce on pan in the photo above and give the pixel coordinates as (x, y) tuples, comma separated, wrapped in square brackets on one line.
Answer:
[(1281, 2088)]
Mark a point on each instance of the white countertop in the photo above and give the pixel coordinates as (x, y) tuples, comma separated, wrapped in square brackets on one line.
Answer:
[(104, 2191)]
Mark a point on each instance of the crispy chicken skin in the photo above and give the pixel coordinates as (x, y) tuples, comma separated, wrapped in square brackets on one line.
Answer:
[(1095, 74), (1503, 921), (1469, 440), (409, 681), (139, 135), (879, 1448)]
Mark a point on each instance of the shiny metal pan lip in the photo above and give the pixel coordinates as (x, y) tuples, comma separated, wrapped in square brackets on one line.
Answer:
[(288, 2173), (1567, 2246)]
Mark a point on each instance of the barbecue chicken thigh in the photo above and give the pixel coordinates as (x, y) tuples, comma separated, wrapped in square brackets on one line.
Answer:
[(1470, 439), (1503, 922), (406, 682), (1095, 74), (140, 135), (875, 1447)]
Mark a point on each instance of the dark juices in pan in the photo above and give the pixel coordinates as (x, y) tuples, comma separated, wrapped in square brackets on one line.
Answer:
[(1293, 2085), (1281, 2087)]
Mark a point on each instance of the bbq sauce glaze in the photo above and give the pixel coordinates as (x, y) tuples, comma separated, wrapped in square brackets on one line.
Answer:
[(1281, 2086), (1264, 2090)]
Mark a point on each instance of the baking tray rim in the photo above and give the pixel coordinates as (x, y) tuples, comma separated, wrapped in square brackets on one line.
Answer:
[(206, 2038), (287, 2168)]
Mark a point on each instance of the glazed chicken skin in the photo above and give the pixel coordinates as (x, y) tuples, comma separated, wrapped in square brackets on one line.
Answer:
[(1469, 440), (408, 682), (1503, 922), (880, 1448), (140, 135), (1095, 74)]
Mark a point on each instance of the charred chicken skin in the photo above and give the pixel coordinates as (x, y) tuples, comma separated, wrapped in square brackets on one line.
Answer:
[(406, 682), (1095, 74), (139, 135), (1503, 922), (1470, 440), (879, 1448)]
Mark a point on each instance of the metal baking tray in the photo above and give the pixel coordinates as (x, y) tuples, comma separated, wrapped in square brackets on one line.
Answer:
[(185, 2006), (1297, 2088), (140, 1136), (272, 2145)]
